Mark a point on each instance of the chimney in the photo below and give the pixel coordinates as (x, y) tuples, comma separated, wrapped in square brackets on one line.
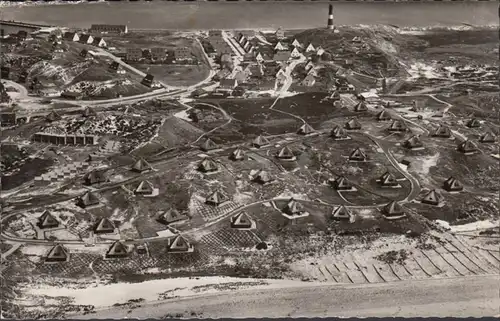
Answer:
[(330, 17)]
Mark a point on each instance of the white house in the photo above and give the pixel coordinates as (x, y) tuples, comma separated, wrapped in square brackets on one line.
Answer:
[(259, 57), (99, 42), (86, 39), (296, 43), (308, 81), (310, 48), (309, 65), (320, 51), (295, 53), (279, 46)]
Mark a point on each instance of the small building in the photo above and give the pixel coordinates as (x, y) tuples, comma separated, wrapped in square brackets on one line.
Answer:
[(141, 166), (95, 177), (105, 28), (308, 81), (393, 210), (467, 147), (117, 250), (383, 115), (217, 198), (4, 72), (338, 133), (353, 124), (58, 253), (104, 226), (358, 155), (99, 42), (207, 165), (47, 220), (388, 180), (84, 53), (215, 33), (172, 215), (341, 184), (295, 53), (305, 129), (413, 143), (241, 221), (280, 33), (442, 131), (237, 155), (487, 137), (182, 54), (296, 43), (179, 245), (148, 80), (133, 54), (341, 213), (310, 48), (53, 116), (397, 126), (279, 46), (71, 36), (320, 51), (86, 39), (144, 188), (432, 198), (285, 153), (361, 107), (86, 200), (293, 208), (260, 141), (208, 145), (453, 185), (473, 123), (262, 177), (114, 66)]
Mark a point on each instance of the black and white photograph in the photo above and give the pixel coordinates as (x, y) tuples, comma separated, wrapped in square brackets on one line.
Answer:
[(255, 159)]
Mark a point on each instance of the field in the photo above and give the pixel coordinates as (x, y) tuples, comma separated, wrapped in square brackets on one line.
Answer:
[(176, 75)]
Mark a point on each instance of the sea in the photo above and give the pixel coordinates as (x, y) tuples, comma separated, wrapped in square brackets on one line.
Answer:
[(254, 15)]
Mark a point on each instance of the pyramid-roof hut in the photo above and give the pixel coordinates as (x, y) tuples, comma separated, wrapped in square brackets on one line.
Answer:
[(357, 155), (442, 131), (393, 210), (383, 115), (388, 180), (342, 213), (207, 165), (397, 126), (338, 133), (144, 188), (104, 226), (413, 142), (47, 220), (293, 207), (87, 199), (453, 185), (117, 250), (285, 153), (360, 107), (487, 137), (95, 177), (241, 220), (141, 166), (208, 145), (237, 154), (58, 253), (467, 147), (262, 177), (341, 184), (179, 244), (432, 198), (353, 124), (260, 141), (53, 116), (305, 129), (216, 198), (172, 215)]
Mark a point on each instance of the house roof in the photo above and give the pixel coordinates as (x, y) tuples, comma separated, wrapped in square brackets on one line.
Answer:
[(216, 197), (141, 165), (144, 187), (57, 253), (208, 165), (305, 129), (260, 141), (104, 225), (47, 220)]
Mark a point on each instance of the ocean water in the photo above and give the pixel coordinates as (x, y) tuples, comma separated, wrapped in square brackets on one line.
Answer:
[(254, 15)]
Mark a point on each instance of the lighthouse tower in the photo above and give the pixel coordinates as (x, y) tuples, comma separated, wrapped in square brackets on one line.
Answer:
[(330, 17)]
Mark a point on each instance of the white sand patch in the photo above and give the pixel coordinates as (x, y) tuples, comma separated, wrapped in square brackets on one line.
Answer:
[(479, 225), (443, 224), (287, 194), (103, 296), (366, 213), (423, 164), (165, 233), (457, 133), (183, 115), (419, 69), (35, 250), (242, 198)]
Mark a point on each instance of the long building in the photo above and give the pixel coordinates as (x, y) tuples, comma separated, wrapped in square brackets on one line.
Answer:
[(109, 28), (61, 139), (13, 27)]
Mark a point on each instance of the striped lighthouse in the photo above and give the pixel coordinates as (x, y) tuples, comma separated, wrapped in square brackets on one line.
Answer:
[(330, 17)]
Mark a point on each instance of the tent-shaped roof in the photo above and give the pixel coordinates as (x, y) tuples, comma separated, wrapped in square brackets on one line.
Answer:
[(387, 179), (393, 209), (117, 250), (57, 254), (305, 129), (262, 177), (452, 185), (141, 166), (171, 216), (474, 123), (342, 213), (353, 124), (341, 183), (179, 244), (467, 146), (442, 131), (432, 198), (357, 155), (296, 43), (293, 207), (53, 116), (208, 165), (47, 220), (237, 154), (95, 177), (383, 115), (487, 137), (216, 198), (413, 142), (208, 144), (104, 225), (338, 132), (87, 199), (360, 106), (260, 141), (144, 187), (88, 111), (285, 153), (397, 126), (241, 220)]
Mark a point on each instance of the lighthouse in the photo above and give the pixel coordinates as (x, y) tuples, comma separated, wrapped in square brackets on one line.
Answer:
[(330, 17)]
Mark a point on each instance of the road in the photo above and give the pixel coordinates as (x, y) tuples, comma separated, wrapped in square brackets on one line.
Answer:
[(450, 297)]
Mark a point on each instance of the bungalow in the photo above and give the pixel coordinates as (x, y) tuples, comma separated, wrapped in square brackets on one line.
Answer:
[(86, 39), (310, 48), (282, 56), (308, 81), (228, 84), (295, 53), (279, 46), (99, 42), (134, 54), (71, 36)]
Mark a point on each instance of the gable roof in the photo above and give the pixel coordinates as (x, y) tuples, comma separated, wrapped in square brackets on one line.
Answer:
[(104, 225), (141, 165), (57, 253), (117, 249), (305, 129), (47, 220)]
